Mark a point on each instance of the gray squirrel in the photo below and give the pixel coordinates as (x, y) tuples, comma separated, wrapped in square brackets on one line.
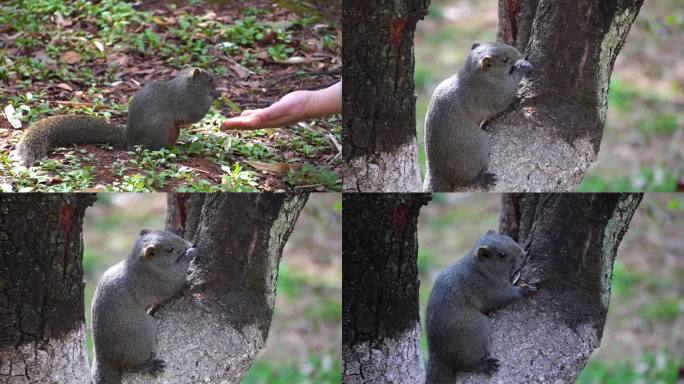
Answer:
[(458, 329), (155, 117), (457, 149), (123, 332)]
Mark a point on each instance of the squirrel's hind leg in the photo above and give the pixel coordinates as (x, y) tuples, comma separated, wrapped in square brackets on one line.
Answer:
[(439, 372)]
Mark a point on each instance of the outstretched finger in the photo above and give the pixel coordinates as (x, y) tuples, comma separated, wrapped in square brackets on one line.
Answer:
[(242, 122), (249, 112)]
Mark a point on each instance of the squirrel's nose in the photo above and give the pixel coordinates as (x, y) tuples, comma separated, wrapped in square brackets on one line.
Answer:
[(524, 66), (191, 252)]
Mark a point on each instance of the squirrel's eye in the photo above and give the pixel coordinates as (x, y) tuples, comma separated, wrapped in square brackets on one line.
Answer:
[(505, 60), (169, 250), (502, 255)]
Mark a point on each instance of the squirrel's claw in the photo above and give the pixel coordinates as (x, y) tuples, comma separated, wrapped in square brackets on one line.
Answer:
[(154, 366), (489, 365)]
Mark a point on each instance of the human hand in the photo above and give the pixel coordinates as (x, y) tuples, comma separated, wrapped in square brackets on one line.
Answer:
[(293, 107), (288, 110)]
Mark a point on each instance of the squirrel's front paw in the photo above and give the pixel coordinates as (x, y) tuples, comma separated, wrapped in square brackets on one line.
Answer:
[(488, 179), (154, 366), (488, 365), (528, 289)]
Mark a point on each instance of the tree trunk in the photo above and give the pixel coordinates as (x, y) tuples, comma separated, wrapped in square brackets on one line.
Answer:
[(554, 134), (379, 103), (214, 331), (572, 240), (42, 318), (380, 318)]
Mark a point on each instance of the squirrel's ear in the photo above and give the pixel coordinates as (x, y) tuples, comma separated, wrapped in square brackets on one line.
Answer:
[(485, 62), (491, 232), (148, 253), (483, 252), (144, 232), (475, 45), (196, 72)]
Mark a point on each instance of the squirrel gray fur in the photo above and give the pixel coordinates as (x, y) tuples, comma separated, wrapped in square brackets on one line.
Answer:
[(155, 116), (457, 149), (458, 329), (123, 332)]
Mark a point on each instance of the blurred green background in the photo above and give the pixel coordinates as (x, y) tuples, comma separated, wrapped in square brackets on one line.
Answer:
[(304, 342), (643, 339), (643, 139)]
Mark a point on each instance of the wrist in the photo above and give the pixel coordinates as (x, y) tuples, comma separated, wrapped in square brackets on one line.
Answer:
[(325, 102)]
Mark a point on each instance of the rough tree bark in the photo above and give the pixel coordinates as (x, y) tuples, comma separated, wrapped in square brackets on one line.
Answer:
[(379, 108), (554, 133), (42, 318), (215, 329), (380, 310), (572, 240)]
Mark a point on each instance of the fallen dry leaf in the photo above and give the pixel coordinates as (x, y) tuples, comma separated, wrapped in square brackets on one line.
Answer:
[(335, 142), (70, 57), (119, 58), (43, 57), (294, 60), (277, 169), (11, 115), (99, 45), (274, 168), (273, 182), (96, 189), (65, 87), (163, 22)]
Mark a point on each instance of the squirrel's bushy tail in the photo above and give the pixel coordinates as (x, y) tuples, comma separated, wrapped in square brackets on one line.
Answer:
[(58, 131), (105, 374), (438, 372)]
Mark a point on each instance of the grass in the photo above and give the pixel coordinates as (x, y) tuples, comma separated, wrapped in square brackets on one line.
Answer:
[(653, 180), (626, 105), (325, 369), (662, 368), (181, 42)]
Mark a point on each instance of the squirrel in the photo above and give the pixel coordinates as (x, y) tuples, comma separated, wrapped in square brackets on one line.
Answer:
[(458, 329), (123, 332), (457, 149), (155, 116)]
